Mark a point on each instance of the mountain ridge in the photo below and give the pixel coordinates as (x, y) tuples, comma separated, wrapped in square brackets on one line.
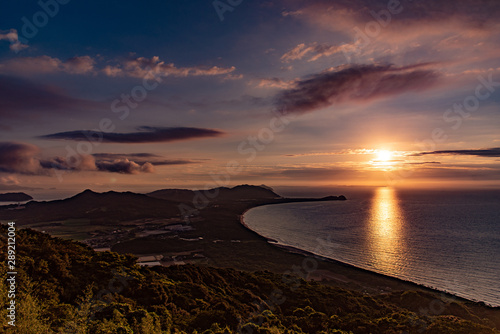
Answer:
[(113, 206), (240, 192)]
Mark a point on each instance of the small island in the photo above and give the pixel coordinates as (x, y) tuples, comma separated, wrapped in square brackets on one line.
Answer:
[(15, 197)]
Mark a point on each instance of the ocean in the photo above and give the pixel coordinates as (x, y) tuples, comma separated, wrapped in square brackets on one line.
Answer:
[(448, 240)]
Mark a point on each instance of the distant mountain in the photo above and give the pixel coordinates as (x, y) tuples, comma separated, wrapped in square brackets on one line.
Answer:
[(181, 195), (242, 192), (15, 197), (112, 207), (98, 207)]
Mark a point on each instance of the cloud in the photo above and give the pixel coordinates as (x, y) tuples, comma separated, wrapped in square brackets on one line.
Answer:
[(89, 163), (296, 53), (276, 83), (309, 173), (85, 163), (125, 155), (124, 166), (141, 67), (315, 172), (359, 151), (490, 173), (13, 37), (463, 31), (318, 51), (10, 180), (146, 134), (355, 83), (487, 152), (19, 158), (423, 163), (22, 158), (26, 66), (232, 77), (79, 65), (472, 13), (19, 96), (137, 68), (142, 158)]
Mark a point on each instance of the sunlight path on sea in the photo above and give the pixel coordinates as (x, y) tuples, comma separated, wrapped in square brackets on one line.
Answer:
[(386, 232)]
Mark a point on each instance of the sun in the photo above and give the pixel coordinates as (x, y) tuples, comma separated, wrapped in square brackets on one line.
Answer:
[(384, 155), (385, 160)]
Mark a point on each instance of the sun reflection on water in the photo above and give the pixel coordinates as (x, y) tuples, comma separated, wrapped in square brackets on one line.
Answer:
[(386, 223)]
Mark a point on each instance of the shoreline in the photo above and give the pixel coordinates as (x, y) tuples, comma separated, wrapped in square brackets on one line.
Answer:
[(294, 250)]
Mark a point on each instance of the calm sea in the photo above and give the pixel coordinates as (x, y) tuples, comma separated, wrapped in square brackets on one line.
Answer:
[(449, 240)]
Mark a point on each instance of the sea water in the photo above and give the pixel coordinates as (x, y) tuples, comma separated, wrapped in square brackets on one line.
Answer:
[(448, 240)]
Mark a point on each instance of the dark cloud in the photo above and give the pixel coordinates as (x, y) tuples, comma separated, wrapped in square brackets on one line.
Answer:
[(82, 163), (89, 163), (22, 158), (172, 162), (146, 134), (19, 97), (424, 163), (154, 159), (124, 166), (119, 164), (487, 152), (18, 158), (354, 83), (125, 155)]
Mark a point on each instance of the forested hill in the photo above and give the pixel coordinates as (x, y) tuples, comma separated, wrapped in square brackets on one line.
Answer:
[(66, 287), (240, 192)]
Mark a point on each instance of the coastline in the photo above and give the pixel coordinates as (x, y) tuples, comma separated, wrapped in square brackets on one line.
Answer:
[(228, 247), (308, 254)]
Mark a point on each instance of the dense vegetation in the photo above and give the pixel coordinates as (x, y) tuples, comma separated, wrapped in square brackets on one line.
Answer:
[(66, 287)]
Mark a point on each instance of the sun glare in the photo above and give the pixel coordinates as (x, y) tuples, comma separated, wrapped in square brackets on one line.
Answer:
[(384, 159), (384, 155)]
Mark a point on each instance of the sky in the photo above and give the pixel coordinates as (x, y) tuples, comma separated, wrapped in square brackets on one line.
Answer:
[(124, 95)]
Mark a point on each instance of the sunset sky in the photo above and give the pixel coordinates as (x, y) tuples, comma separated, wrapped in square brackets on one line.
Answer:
[(191, 94)]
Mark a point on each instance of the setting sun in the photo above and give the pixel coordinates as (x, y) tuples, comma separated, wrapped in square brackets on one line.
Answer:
[(384, 155)]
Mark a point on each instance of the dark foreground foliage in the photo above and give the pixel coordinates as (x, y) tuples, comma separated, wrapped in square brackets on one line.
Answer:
[(66, 287)]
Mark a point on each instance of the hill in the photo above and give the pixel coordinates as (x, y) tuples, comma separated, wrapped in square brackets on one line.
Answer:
[(242, 192), (15, 197), (113, 207), (99, 207)]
